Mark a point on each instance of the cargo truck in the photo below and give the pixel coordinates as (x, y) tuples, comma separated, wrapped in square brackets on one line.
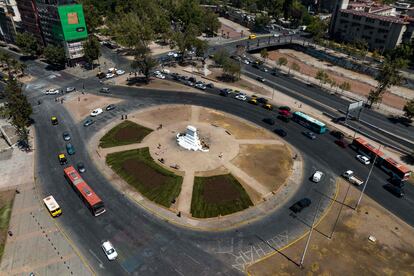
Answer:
[(349, 175)]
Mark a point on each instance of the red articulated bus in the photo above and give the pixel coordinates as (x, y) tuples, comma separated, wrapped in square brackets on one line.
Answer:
[(89, 197), (389, 165)]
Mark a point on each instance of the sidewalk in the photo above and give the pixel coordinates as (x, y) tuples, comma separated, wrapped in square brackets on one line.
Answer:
[(37, 243)]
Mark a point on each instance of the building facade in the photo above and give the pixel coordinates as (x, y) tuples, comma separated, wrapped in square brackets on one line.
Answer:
[(9, 20), (379, 25), (30, 21)]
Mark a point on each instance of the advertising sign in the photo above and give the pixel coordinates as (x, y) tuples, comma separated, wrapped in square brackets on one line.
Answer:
[(73, 22)]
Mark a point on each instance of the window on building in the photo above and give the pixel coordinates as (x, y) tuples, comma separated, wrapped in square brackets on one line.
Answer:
[(344, 15), (356, 17), (369, 20), (384, 23)]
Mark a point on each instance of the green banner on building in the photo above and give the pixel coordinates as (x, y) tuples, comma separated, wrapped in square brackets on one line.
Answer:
[(73, 22)]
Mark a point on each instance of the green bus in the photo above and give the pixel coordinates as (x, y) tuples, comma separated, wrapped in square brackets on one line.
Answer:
[(309, 122)]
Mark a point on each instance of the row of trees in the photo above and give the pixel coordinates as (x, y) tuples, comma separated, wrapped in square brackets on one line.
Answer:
[(231, 68), (11, 65)]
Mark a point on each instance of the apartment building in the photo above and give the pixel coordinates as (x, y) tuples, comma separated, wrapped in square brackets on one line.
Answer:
[(381, 26), (30, 21), (9, 20)]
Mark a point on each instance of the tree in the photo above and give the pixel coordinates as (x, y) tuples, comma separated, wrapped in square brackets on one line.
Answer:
[(317, 28), (144, 62), (92, 49), (232, 69), (18, 109), (28, 44), (264, 54), (261, 22), (345, 86), (282, 61), (21, 67), (409, 109), (55, 55), (211, 24), (201, 47), (221, 56), (322, 76), (93, 17), (295, 67)]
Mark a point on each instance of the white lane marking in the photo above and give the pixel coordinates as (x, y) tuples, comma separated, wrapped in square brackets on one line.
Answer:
[(99, 261)]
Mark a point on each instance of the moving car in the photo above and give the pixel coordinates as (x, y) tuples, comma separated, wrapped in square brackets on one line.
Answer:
[(81, 167), (62, 159), (104, 90), (201, 86), (70, 149), (284, 107), (352, 178), (363, 159), (225, 92), (54, 120), (96, 112), (260, 79), (285, 119), (88, 122), (268, 106), (337, 134), (252, 36), (280, 132), (269, 121), (262, 100), (395, 190), (109, 250), (317, 176), (66, 136), (120, 72), (300, 205), (110, 107), (341, 143), (241, 97), (309, 134), (253, 101), (70, 89), (52, 91), (160, 76)]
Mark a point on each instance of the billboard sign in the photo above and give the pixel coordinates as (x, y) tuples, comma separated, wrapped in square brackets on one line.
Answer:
[(355, 105), (73, 22)]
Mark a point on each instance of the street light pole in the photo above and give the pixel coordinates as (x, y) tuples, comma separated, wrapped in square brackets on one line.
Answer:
[(366, 181), (310, 234)]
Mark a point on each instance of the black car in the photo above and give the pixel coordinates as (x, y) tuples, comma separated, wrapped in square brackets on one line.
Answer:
[(397, 182), (66, 136), (262, 100), (300, 205), (337, 134), (309, 134), (280, 132), (261, 79), (175, 76), (225, 92), (110, 107), (269, 121), (88, 122), (285, 119), (397, 191), (284, 107), (256, 65), (104, 90), (210, 85), (339, 119)]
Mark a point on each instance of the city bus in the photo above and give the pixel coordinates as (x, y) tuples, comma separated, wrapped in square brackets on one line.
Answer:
[(309, 122), (387, 164), (52, 206), (88, 196)]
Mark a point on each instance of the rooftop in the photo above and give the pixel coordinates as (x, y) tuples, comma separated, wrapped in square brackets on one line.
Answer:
[(392, 19)]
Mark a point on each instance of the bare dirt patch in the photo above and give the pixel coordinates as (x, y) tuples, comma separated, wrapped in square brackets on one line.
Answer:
[(269, 164), (80, 106), (164, 115), (349, 252), (218, 190), (144, 174)]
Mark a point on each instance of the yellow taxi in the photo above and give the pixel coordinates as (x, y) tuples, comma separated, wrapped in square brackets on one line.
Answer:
[(268, 106), (54, 120), (253, 101), (62, 159), (252, 36)]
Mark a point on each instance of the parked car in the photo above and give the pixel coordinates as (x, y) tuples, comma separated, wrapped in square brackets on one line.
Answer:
[(253, 101), (337, 134), (160, 76), (110, 107), (280, 132), (66, 136), (81, 167), (363, 159), (104, 90), (109, 75), (284, 107), (261, 79), (267, 106), (210, 85), (285, 119), (339, 119), (96, 112), (252, 36), (120, 72), (300, 205), (309, 134), (269, 121), (109, 250), (52, 91), (70, 149), (262, 100), (225, 92), (397, 182), (241, 97), (88, 122), (397, 191), (341, 143), (70, 89), (101, 75), (201, 86)]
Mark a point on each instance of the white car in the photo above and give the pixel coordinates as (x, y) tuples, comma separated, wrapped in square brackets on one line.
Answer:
[(171, 54), (52, 91), (160, 76), (317, 176), (166, 71), (109, 250), (363, 159), (111, 70), (120, 72), (96, 112), (110, 75), (241, 97)]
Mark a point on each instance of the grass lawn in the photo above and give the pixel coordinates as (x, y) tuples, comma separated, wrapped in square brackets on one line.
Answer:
[(218, 195), (125, 133), (6, 203), (140, 171)]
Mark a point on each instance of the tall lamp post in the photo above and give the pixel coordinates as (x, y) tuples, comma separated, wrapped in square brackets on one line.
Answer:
[(366, 181)]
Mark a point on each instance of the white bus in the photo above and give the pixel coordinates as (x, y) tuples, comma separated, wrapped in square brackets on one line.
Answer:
[(52, 206)]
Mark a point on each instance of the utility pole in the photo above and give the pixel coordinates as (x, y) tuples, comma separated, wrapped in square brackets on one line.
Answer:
[(340, 210), (310, 234), (366, 181)]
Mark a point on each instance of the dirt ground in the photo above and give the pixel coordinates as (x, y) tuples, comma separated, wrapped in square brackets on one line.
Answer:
[(218, 190), (232, 29), (241, 84), (309, 66), (163, 115), (349, 252), (144, 174), (269, 164), (80, 106), (236, 127)]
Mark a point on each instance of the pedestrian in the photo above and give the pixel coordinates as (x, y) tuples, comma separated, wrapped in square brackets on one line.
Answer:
[(78, 99), (122, 117), (126, 116), (61, 101), (300, 106)]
